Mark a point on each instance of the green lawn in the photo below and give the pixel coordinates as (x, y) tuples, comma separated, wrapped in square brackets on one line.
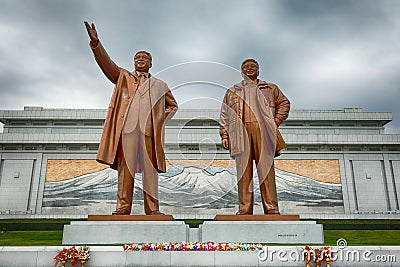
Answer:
[(353, 237), (31, 238), (363, 237)]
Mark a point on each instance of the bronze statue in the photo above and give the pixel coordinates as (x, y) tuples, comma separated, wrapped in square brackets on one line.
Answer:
[(251, 112), (133, 134)]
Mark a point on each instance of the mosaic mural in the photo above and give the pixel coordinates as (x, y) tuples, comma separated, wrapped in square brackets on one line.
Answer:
[(192, 187)]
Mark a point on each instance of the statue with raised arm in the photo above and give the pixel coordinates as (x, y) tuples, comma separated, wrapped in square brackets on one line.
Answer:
[(133, 133), (250, 115)]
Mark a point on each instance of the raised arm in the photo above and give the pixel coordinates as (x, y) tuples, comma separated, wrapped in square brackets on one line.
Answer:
[(109, 68)]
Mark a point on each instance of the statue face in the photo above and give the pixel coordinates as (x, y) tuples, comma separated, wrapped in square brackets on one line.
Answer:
[(250, 69), (142, 62)]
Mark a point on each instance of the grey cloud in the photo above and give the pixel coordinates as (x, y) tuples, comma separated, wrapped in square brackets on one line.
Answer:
[(323, 54)]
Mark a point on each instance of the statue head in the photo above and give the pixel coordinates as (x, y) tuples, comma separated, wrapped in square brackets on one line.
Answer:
[(142, 61), (250, 68)]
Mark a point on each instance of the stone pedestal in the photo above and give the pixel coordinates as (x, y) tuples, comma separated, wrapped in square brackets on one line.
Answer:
[(283, 232), (123, 232), (257, 217), (125, 229), (160, 217)]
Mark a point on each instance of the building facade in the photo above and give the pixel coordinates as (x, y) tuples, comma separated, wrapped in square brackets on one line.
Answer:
[(337, 161)]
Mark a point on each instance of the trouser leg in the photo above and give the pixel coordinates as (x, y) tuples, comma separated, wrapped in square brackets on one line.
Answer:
[(125, 183), (244, 168), (150, 175), (269, 196), (266, 172)]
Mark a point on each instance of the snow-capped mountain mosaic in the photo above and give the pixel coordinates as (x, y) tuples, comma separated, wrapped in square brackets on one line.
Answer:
[(189, 190)]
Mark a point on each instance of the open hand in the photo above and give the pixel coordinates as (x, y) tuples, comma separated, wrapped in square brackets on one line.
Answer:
[(94, 38)]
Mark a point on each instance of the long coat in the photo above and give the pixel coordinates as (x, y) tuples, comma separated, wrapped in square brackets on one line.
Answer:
[(163, 107), (273, 106)]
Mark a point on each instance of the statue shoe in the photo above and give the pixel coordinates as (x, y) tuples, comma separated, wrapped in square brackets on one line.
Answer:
[(121, 212), (276, 212), (240, 212), (155, 212)]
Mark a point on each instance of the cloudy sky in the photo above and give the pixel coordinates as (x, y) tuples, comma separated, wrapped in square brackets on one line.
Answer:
[(328, 54)]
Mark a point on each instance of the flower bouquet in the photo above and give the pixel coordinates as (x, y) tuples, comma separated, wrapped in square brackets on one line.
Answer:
[(62, 257), (308, 253), (327, 256), (73, 255)]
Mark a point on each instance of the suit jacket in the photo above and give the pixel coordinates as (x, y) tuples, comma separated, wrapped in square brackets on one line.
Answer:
[(162, 101), (272, 104)]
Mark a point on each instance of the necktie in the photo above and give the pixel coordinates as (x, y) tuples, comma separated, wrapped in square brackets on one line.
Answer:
[(141, 88), (141, 79)]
